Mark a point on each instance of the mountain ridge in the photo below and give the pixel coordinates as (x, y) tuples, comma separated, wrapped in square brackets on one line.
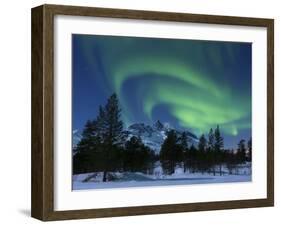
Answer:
[(152, 136)]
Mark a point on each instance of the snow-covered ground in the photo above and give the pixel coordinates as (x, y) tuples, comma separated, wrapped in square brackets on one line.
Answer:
[(137, 179)]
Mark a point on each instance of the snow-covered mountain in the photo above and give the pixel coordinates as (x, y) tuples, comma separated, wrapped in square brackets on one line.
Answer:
[(154, 136)]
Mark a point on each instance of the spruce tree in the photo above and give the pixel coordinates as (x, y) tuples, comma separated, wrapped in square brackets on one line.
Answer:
[(218, 140), (250, 150), (110, 127), (202, 143), (86, 141), (184, 148), (170, 152), (137, 157), (87, 157), (218, 148), (211, 140), (193, 158), (241, 153), (184, 141)]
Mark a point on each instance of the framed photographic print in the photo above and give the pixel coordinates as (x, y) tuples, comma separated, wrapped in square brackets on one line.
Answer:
[(141, 112)]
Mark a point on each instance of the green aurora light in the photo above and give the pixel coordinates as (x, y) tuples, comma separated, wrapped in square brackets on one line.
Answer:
[(190, 78)]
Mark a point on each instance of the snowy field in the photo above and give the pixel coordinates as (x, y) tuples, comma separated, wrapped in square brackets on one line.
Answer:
[(192, 179), (157, 178)]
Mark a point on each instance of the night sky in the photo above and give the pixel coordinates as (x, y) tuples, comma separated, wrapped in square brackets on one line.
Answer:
[(189, 84)]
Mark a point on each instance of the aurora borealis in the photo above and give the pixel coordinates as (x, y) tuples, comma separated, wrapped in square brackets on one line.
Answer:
[(191, 84)]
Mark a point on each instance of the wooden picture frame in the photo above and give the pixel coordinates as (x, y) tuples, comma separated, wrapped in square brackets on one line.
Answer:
[(42, 203)]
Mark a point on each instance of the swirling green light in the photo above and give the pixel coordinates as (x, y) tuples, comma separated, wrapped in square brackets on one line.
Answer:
[(200, 107), (199, 99), (162, 66), (196, 108)]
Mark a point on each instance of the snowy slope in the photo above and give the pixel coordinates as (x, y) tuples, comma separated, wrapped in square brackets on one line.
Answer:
[(154, 136)]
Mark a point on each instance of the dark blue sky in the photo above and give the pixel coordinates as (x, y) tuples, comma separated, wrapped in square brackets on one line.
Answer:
[(188, 83)]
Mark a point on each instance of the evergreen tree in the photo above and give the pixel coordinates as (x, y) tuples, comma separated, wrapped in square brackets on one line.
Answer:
[(218, 140), (88, 153), (211, 151), (202, 154), (137, 157), (230, 161), (87, 141), (170, 152), (110, 128), (193, 158), (211, 140), (184, 148), (241, 153), (250, 150), (202, 143), (110, 123), (218, 148), (184, 141)]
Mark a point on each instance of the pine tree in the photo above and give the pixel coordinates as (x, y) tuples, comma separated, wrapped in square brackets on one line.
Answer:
[(250, 149), (218, 139), (137, 157), (184, 141), (211, 140), (230, 161), (218, 148), (110, 127), (184, 148), (88, 157), (193, 158), (203, 154), (202, 143), (86, 141), (170, 152), (241, 153), (109, 122)]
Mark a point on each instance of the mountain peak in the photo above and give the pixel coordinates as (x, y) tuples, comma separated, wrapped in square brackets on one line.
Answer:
[(158, 125), (141, 128)]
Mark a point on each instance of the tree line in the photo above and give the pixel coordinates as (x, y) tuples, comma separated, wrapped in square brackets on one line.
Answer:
[(209, 156), (104, 147)]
